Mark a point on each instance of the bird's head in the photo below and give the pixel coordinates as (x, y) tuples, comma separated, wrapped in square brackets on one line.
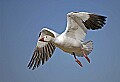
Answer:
[(45, 38)]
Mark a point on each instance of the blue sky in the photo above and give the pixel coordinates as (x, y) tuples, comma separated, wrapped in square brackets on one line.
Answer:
[(20, 23)]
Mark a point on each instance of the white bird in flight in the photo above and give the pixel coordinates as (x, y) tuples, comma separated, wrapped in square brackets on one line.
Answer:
[(70, 41)]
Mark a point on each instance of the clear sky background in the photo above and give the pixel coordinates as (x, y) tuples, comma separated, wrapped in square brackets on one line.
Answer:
[(20, 23)]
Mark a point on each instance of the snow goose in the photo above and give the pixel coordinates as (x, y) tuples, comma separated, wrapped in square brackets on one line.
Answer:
[(70, 41)]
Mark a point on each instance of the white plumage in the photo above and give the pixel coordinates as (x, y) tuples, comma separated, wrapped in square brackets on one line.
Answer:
[(70, 41)]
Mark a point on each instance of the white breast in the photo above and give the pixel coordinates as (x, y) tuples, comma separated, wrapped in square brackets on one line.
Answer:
[(67, 44)]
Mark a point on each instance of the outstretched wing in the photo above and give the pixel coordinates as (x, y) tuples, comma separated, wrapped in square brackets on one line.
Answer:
[(43, 50), (79, 22)]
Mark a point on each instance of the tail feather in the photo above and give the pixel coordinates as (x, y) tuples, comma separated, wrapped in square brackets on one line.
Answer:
[(87, 46)]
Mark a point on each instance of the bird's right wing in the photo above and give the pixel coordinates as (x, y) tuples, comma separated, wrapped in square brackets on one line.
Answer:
[(43, 50), (41, 55)]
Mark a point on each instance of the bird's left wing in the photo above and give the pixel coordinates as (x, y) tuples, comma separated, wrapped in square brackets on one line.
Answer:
[(43, 50), (79, 22)]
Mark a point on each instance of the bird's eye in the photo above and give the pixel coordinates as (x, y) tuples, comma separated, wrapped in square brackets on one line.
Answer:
[(46, 36)]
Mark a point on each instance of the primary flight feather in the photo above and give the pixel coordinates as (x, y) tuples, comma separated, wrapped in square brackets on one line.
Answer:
[(70, 41)]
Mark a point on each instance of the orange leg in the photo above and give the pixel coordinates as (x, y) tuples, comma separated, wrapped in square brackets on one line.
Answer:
[(77, 60), (85, 55)]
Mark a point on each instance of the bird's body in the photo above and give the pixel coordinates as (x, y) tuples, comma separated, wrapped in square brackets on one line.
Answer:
[(70, 41), (67, 44)]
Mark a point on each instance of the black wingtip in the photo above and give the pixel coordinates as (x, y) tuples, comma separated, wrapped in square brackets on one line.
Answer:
[(95, 22)]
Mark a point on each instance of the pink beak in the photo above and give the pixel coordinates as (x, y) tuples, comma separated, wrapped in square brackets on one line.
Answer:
[(42, 39)]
